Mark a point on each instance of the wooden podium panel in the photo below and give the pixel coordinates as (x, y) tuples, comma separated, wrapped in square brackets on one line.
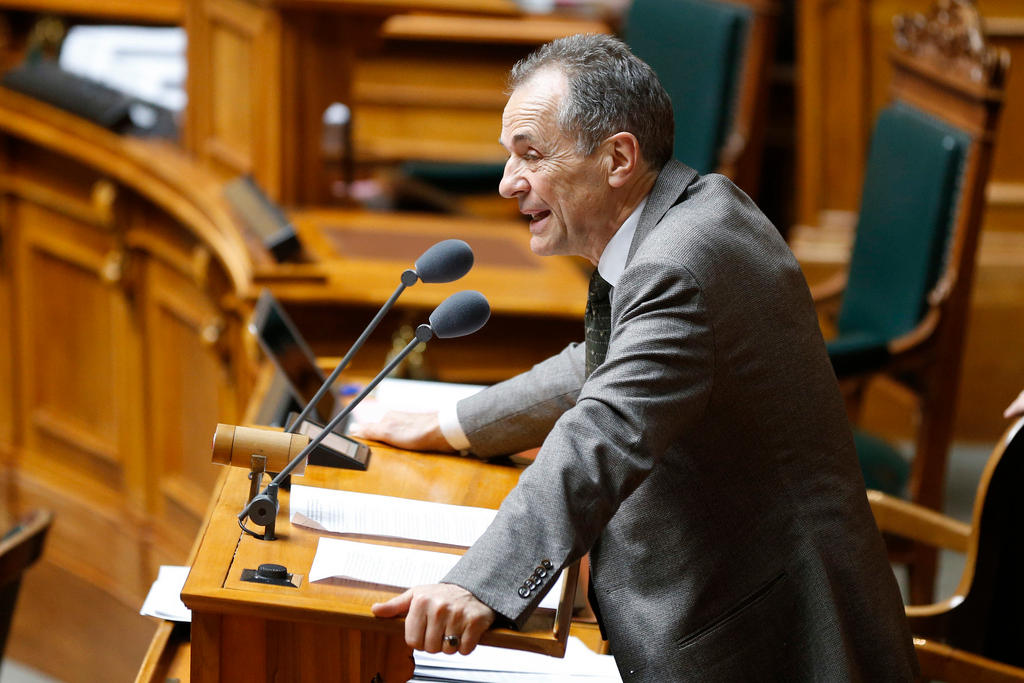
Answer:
[(247, 632)]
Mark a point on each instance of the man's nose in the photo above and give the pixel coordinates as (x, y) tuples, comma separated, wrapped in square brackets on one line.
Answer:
[(512, 182)]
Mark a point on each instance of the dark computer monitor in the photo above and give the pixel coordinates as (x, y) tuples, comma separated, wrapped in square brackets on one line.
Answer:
[(284, 345)]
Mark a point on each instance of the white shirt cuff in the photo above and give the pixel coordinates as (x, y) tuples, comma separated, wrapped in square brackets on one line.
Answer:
[(448, 420)]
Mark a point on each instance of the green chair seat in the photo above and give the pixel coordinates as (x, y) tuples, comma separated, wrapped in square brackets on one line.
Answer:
[(883, 467), (856, 352)]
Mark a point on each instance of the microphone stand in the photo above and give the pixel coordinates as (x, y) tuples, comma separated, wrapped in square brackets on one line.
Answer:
[(409, 278), (262, 509)]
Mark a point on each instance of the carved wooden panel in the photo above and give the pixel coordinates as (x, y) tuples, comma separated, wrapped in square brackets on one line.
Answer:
[(6, 338), (844, 82), (193, 391), (234, 88), (112, 274), (1006, 190), (78, 374)]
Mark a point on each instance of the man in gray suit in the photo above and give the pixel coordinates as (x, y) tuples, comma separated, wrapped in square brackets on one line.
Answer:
[(696, 446)]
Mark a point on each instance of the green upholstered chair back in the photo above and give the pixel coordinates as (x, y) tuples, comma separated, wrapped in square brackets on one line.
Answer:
[(696, 47), (908, 207)]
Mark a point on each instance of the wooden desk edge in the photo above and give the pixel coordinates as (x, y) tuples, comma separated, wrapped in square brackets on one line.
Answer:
[(201, 598)]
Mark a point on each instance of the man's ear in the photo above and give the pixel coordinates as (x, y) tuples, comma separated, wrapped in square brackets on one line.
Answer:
[(623, 151)]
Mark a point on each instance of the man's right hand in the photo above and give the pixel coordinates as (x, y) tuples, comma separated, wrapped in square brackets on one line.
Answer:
[(411, 431)]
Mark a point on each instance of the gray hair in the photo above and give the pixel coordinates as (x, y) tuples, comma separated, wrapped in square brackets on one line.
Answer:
[(610, 90)]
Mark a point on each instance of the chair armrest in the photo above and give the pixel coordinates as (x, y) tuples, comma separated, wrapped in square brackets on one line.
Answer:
[(918, 523), (921, 333), (829, 290), (942, 662), (827, 296), (938, 298)]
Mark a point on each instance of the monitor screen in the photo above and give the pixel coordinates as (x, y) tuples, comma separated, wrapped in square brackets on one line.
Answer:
[(282, 342)]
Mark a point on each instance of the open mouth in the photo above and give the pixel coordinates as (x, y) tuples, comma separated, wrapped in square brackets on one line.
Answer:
[(539, 216)]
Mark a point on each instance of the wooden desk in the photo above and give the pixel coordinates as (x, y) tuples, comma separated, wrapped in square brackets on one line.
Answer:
[(356, 258), (325, 631)]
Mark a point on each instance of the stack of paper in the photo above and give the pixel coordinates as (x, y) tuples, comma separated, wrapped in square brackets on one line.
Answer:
[(367, 514), (164, 598), (390, 566), (498, 665)]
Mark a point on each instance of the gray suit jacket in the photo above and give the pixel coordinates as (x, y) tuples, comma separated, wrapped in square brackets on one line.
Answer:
[(707, 465)]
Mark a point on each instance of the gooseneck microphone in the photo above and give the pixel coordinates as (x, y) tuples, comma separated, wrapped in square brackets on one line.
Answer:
[(460, 314), (446, 261)]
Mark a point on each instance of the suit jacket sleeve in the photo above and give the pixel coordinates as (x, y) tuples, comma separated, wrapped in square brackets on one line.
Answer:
[(518, 413), (652, 387)]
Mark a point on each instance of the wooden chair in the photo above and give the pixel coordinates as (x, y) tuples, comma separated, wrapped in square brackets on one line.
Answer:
[(978, 633), (904, 298), (19, 549)]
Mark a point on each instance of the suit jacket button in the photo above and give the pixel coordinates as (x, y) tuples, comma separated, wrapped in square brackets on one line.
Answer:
[(546, 564), (524, 592), (540, 571)]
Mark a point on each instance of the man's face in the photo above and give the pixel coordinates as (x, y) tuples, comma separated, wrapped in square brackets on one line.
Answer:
[(562, 191)]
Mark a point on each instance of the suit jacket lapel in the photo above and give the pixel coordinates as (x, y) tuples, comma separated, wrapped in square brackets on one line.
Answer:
[(673, 180)]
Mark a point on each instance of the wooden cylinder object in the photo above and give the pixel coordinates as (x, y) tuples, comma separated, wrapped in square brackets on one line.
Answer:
[(232, 445)]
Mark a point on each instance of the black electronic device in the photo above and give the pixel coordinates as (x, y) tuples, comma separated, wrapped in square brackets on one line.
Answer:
[(45, 80), (263, 217), (334, 450), (281, 340)]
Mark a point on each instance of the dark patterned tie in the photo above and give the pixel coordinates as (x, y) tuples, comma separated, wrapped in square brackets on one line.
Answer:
[(597, 321)]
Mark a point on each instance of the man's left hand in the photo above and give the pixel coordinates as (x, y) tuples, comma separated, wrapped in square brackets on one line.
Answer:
[(436, 611)]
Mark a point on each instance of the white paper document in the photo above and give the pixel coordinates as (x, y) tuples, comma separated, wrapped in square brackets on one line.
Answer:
[(391, 566), (411, 395), (366, 514), (418, 395), (164, 598), (498, 665)]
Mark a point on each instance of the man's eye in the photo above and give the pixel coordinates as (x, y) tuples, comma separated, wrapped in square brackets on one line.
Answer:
[(530, 156)]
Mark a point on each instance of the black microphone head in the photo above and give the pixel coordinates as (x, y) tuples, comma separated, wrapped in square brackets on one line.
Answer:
[(460, 314), (446, 261)]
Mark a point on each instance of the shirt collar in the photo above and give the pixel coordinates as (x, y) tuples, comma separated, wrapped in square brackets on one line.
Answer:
[(613, 258)]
